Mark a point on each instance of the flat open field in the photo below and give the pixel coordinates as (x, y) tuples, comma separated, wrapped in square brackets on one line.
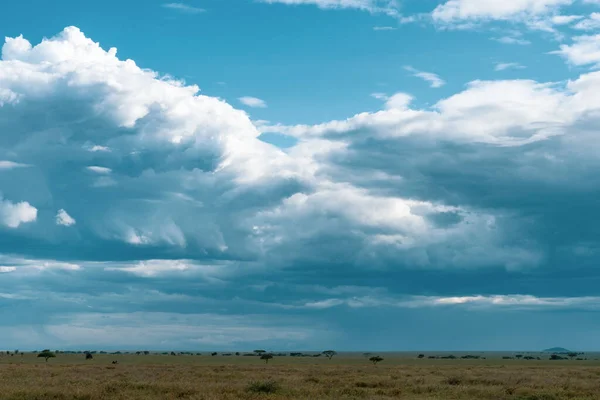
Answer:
[(344, 377)]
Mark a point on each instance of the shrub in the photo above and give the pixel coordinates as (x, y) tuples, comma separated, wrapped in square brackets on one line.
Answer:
[(453, 380), (329, 353), (375, 360), (263, 387), (370, 385), (46, 354), (266, 357)]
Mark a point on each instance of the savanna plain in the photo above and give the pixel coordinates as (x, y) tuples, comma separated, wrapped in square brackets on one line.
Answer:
[(345, 376)]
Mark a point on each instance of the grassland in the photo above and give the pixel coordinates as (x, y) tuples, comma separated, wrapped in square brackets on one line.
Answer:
[(344, 377)]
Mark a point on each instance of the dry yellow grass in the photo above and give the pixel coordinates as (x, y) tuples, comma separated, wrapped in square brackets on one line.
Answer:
[(194, 378)]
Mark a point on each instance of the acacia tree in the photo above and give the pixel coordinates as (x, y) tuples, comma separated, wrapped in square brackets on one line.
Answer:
[(572, 355), (46, 354), (259, 352), (266, 357), (375, 359), (329, 353), (88, 355)]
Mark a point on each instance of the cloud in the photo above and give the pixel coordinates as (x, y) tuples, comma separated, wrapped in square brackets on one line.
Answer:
[(512, 40), (373, 6), (64, 219), (184, 8), (433, 79), (379, 96), (23, 264), (510, 301), (461, 11), (253, 102), (196, 146), (505, 66), (527, 101), (384, 28), (398, 101), (565, 19), (99, 170), (4, 165), (95, 148), (204, 331), (430, 208), (480, 301), (13, 215), (585, 50), (152, 268), (592, 22), (434, 156)]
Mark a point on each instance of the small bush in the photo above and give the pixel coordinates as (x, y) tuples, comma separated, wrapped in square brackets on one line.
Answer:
[(263, 387), (376, 359), (453, 381), (370, 385), (554, 357)]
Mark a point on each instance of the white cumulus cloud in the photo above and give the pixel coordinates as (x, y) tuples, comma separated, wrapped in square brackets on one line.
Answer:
[(63, 218), (585, 50), (145, 137), (14, 214)]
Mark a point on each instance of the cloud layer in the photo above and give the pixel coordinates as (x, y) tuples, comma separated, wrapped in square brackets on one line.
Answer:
[(128, 193)]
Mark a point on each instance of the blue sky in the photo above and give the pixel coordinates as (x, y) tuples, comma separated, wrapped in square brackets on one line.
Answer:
[(300, 174)]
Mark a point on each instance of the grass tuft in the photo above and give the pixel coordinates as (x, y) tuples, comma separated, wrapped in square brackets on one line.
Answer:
[(264, 387), (453, 380)]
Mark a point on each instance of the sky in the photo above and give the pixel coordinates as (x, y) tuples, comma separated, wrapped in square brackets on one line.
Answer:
[(362, 175)]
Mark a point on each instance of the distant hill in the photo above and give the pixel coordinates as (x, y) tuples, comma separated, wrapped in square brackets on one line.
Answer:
[(557, 350)]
